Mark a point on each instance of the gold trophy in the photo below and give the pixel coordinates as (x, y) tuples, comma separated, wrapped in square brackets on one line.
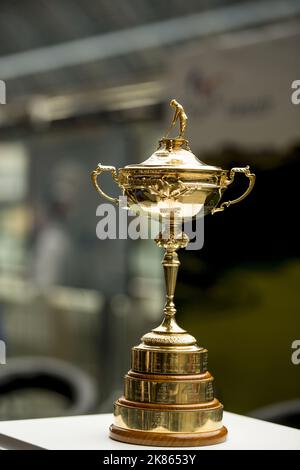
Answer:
[(168, 395)]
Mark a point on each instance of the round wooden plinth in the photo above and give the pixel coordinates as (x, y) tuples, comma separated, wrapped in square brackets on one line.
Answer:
[(173, 439)]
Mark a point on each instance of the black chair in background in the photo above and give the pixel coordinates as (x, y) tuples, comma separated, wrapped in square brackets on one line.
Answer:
[(37, 387)]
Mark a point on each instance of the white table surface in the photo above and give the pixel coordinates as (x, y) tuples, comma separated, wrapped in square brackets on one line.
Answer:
[(91, 432)]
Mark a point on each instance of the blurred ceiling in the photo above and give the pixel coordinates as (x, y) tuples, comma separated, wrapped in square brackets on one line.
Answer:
[(29, 24), (49, 47)]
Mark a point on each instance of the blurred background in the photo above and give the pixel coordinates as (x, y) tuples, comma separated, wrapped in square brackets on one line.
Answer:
[(89, 81)]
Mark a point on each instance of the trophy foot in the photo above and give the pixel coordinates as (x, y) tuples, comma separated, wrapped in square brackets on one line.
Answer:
[(157, 338), (167, 439)]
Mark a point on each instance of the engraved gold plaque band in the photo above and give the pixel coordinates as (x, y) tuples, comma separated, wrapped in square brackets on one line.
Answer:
[(167, 419), (184, 360), (168, 389)]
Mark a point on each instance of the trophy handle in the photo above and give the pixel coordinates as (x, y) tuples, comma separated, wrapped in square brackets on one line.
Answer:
[(233, 171), (94, 175)]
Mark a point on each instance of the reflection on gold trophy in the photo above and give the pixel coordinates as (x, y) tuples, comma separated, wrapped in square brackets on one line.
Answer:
[(168, 395)]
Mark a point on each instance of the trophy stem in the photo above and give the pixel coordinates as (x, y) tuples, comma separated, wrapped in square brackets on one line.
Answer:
[(170, 264), (168, 332), (171, 241)]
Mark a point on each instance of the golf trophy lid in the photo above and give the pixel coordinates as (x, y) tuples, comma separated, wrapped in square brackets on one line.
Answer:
[(168, 392)]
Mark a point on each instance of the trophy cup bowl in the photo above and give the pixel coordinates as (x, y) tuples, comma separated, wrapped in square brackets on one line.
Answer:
[(168, 392), (173, 179)]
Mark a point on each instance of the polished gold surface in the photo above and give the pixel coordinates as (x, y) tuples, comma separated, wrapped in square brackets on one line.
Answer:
[(97, 172), (173, 180), (168, 419), (232, 173), (171, 360), (169, 395), (171, 389), (168, 333)]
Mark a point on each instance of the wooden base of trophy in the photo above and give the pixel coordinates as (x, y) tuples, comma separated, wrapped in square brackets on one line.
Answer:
[(174, 439)]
